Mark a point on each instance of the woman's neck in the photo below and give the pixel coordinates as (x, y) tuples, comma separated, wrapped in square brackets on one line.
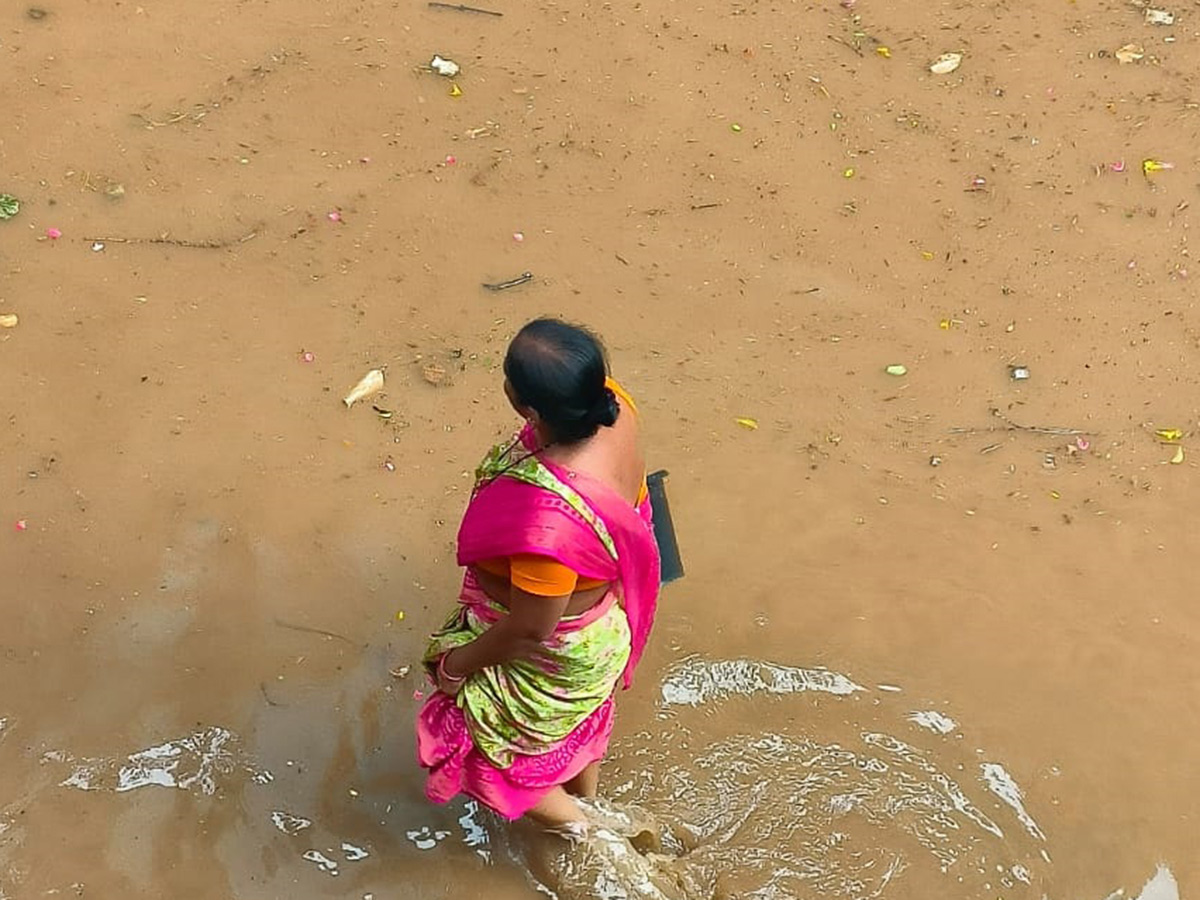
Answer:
[(542, 435)]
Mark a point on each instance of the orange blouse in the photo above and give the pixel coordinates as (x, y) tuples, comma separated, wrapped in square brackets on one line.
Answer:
[(545, 576)]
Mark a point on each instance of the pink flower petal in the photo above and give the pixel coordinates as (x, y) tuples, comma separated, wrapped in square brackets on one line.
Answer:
[(22, 525), (334, 216), (53, 233)]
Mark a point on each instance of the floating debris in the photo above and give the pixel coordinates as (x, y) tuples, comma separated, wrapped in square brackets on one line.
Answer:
[(369, 384), (946, 63), (1130, 53), (1159, 17), (433, 374), (9, 206), (1018, 373), (897, 370), (447, 68)]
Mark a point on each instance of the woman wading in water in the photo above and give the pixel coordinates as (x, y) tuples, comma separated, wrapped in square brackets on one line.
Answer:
[(558, 597)]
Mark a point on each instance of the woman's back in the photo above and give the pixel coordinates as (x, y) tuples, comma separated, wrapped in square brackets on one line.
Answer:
[(613, 455)]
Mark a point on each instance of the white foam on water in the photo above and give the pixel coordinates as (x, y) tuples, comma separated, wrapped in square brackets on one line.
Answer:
[(84, 777), (322, 862), (353, 853), (425, 838), (289, 824), (1001, 784), (949, 789), (695, 681), (190, 761), (933, 720), (475, 835), (1161, 886), (193, 762)]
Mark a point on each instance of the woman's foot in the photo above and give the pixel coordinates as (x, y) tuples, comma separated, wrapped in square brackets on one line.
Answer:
[(634, 824)]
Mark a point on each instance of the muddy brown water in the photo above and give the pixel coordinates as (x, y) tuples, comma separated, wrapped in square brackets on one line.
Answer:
[(194, 496)]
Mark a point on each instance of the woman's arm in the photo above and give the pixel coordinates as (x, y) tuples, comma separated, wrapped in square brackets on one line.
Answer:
[(531, 619)]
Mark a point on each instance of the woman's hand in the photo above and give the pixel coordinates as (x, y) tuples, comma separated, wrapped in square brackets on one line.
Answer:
[(531, 619), (448, 682)]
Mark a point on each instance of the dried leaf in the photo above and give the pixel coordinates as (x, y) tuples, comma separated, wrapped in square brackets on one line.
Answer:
[(9, 320)]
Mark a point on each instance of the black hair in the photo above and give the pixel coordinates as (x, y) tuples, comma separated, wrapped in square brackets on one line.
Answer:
[(559, 370)]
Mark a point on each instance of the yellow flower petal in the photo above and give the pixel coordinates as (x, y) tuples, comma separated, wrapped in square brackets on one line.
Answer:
[(1170, 434), (1178, 457), (751, 424)]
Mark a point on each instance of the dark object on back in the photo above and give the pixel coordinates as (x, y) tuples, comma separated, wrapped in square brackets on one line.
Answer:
[(664, 528)]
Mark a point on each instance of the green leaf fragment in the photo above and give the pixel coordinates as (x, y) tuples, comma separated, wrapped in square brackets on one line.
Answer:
[(9, 206)]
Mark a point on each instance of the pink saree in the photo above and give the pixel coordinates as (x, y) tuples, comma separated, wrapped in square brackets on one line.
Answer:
[(517, 730)]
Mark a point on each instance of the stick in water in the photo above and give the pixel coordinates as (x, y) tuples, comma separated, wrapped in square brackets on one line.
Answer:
[(523, 278), (458, 7)]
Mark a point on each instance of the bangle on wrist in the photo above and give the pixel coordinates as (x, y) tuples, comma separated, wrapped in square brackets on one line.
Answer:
[(442, 672)]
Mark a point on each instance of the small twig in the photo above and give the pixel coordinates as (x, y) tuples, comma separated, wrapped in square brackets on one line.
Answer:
[(1010, 425), (262, 686), (174, 242), (705, 205), (458, 7), (845, 43), (309, 630), (523, 278), (621, 259)]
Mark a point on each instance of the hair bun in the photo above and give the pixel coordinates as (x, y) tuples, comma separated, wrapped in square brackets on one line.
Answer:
[(607, 409)]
